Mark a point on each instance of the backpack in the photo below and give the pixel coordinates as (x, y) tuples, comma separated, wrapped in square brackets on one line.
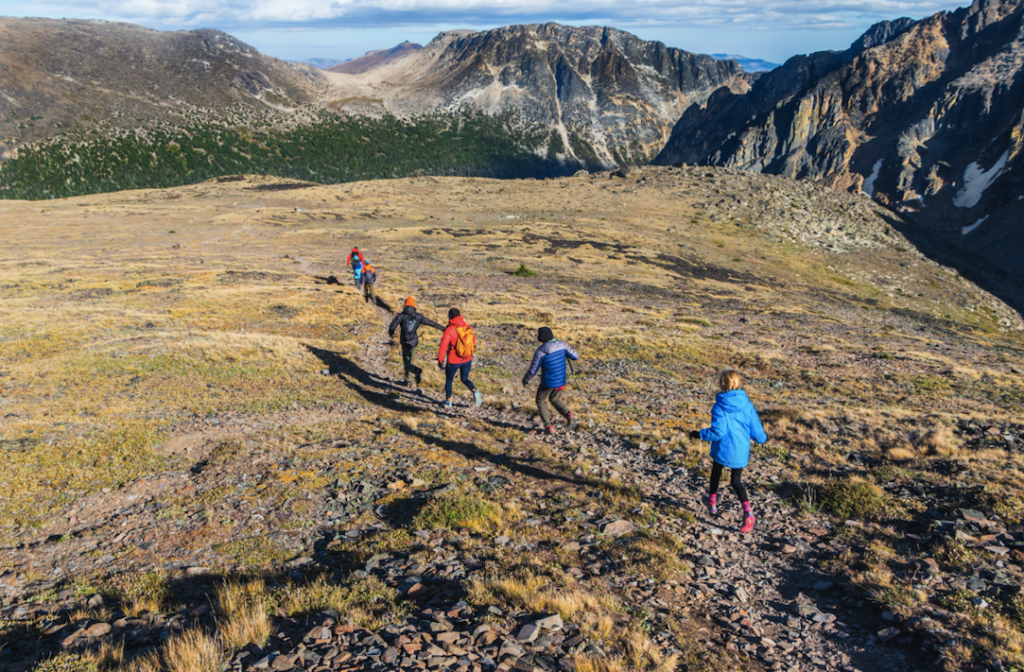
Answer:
[(370, 276), (410, 323), (465, 342)]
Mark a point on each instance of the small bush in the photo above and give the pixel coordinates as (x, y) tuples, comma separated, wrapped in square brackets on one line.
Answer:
[(960, 601), (455, 511), (955, 553), (525, 271), (852, 499)]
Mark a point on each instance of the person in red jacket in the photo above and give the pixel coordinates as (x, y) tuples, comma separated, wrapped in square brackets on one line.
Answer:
[(358, 255), (457, 345)]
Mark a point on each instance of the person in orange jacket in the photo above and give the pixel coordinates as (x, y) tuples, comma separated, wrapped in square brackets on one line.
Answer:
[(369, 279), (458, 345)]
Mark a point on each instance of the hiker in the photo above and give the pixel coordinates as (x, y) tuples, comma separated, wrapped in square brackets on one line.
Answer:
[(357, 274), (458, 345), (734, 422), (551, 358), (369, 278), (357, 262), (353, 256), (410, 322)]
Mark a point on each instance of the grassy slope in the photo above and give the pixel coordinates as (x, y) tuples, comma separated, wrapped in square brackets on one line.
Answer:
[(124, 316)]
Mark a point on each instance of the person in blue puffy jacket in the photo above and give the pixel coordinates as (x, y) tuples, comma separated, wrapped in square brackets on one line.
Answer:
[(734, 422), (550, 357)]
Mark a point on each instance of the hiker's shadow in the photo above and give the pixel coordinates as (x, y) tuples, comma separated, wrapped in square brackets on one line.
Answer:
[(381, 303), (527, 466), (371, 387)]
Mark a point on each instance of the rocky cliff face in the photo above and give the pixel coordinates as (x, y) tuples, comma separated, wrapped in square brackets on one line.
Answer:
[(608, 96), (926, 116), (57, 75)]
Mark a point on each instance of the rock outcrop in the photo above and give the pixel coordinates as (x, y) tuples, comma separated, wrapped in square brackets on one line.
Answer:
[(924, 116), (609, 97)]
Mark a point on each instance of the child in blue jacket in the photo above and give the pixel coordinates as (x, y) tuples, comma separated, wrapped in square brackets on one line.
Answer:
[(734, 422)]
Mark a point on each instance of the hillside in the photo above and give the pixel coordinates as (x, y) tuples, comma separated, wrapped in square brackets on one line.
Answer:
[(73, 77), (923, 116), (209, 457)]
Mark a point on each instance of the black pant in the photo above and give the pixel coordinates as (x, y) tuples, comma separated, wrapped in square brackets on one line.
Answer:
[(449, 376), (735, 480)]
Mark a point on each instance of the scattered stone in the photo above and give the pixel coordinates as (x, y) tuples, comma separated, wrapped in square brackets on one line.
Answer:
[(528, 632), (888, 634), (550, 622), (97, 630), (617, 528)]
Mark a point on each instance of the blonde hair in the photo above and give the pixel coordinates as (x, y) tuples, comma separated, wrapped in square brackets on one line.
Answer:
[(730, 379)]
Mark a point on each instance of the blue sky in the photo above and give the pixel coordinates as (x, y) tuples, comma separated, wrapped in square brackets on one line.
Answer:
[(340, 29)]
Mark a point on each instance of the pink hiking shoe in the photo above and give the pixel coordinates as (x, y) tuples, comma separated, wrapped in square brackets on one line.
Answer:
[(748, 524), (710, 502)]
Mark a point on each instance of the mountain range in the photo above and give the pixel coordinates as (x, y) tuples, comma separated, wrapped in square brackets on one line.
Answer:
[(925, 116)]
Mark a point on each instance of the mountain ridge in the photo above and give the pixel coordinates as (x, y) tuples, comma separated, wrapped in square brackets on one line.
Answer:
[(62, 75), (897, 117)]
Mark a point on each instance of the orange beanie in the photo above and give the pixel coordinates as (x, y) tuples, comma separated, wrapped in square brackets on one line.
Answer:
[(410, 302)]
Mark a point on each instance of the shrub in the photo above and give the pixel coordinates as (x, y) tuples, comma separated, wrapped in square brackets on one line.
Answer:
[(455, 511), (525, 271), (955, 553), (852, 499)]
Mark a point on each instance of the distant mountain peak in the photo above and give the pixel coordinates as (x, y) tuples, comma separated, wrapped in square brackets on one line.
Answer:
[(375, 59), (748, 64)]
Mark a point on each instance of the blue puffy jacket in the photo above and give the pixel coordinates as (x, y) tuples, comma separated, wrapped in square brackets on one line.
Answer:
[(551, 356), (734, 423)]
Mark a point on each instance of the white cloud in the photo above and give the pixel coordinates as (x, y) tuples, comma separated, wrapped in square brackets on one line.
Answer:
[(228, 14)]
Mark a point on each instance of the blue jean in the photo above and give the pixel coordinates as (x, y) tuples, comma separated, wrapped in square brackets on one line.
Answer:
[(449, 376)]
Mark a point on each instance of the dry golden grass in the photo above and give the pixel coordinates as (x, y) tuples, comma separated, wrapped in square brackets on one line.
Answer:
[(536, 593), (641, 655), (243, 609), (367, 601), (192, 651)]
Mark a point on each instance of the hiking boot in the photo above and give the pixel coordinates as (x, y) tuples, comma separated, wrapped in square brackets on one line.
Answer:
[(710, 502), (748, 524), (573, 421), (448, 403), (550, 429), (419, 376), (477, 397)]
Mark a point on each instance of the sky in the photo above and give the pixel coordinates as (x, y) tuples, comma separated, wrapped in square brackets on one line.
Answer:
[(341, 29)]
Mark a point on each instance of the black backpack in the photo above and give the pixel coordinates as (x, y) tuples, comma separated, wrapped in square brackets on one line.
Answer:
[(410, 323)]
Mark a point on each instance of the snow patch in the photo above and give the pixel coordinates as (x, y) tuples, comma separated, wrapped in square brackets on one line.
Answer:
[(869, 183), (967, 229), (977, 181)]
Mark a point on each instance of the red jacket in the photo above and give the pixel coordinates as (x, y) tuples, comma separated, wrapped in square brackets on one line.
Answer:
[(448, 342), (358, 253)]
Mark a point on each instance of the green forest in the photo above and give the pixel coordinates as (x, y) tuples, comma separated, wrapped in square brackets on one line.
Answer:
[(330, 150)]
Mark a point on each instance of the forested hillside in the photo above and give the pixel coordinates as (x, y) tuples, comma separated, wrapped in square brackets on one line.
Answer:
[(330, 150)]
